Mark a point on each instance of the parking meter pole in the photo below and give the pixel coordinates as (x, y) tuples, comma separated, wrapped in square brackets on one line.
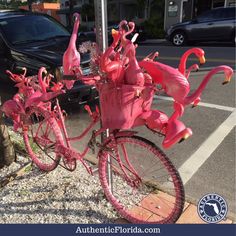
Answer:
[(102, 43)]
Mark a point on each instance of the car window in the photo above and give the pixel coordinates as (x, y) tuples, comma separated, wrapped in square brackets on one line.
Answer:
[(224, 13), (228, 13), (23, 29), (206, 16), (217, 14)]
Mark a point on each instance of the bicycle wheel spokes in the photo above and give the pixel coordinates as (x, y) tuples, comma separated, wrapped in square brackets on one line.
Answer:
[(41, 141), (146, 187)]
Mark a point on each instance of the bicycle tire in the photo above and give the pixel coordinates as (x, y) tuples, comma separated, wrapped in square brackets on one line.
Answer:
[(40, 139), (140, 192)]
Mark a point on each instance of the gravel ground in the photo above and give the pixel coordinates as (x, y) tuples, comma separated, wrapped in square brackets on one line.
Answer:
[(56, 197)]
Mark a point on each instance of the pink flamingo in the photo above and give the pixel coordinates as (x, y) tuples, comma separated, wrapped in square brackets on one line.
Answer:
[(109, 55), (133, 73), (182, 65), (110, 62), (176, 130), (228, 72), (176, 85), (193, 67), (71, 57)]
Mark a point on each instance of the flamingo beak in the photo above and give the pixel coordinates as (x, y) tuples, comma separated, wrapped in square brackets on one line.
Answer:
[(227, 79), (114, 32), (202, 60), (186, 136)]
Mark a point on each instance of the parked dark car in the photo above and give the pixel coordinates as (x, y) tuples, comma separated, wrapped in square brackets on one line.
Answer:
[(33, 40), (214, 25)]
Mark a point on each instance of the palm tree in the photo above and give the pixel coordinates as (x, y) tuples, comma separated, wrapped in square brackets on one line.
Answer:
[(7, 152)]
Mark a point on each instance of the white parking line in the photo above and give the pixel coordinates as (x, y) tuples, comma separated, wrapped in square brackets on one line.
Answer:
[(191, 166), (225, 108)]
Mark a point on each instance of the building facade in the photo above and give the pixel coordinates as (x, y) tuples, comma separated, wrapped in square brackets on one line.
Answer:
[(183, 10), (117, 10)]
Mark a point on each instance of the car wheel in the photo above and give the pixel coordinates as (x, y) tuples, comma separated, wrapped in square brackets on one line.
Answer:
[(178, 38)]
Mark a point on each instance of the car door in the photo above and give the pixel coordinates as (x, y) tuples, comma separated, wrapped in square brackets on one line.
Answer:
[(220, 27), (226, 24), (206, 26)]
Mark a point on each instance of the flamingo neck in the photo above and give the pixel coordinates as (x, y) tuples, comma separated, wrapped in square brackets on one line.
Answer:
[(73, 37), (202, 86), (124, 39), (183, 60)]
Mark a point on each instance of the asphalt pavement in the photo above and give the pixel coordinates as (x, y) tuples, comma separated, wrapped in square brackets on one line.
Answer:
[(216, 53)]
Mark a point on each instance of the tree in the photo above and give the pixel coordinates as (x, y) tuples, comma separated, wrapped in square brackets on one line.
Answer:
[(154, 26), (7, 152), (87, 11)]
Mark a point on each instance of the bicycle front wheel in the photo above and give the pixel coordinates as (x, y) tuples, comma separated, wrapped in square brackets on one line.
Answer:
[(41, 139), (145, 186)]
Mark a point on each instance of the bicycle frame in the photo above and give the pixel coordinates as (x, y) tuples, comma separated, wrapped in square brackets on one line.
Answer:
[(69, 153)]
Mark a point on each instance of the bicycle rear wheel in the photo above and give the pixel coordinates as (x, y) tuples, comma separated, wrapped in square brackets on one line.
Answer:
[(41, 139), (146, 187)]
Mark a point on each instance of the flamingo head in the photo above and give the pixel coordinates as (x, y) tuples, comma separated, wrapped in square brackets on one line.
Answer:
[(123, 29), (76, 16), (24, 69), (228, 74), (131, 26), (115, 35), (41, 71), (200, 54), (123, 26)]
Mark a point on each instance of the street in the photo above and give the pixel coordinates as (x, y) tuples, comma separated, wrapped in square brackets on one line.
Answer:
[(215, 53), (206, 161)]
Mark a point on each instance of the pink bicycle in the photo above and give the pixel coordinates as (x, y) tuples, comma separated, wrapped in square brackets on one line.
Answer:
[(142, 175), (140, 171)]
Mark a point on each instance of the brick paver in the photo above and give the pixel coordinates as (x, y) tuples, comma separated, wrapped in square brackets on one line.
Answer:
[(154, 207)]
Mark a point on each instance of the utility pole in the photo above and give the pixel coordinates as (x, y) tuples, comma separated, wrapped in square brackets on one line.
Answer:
[(100, 7), (71, 8)]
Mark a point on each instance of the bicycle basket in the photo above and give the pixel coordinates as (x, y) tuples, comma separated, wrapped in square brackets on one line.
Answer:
[(120, 106)]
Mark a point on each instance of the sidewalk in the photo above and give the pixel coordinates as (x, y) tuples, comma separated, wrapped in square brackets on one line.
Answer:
[(155, 40), (147, 209)]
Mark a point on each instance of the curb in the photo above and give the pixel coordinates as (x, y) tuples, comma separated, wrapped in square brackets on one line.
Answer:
[(155, 41)]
